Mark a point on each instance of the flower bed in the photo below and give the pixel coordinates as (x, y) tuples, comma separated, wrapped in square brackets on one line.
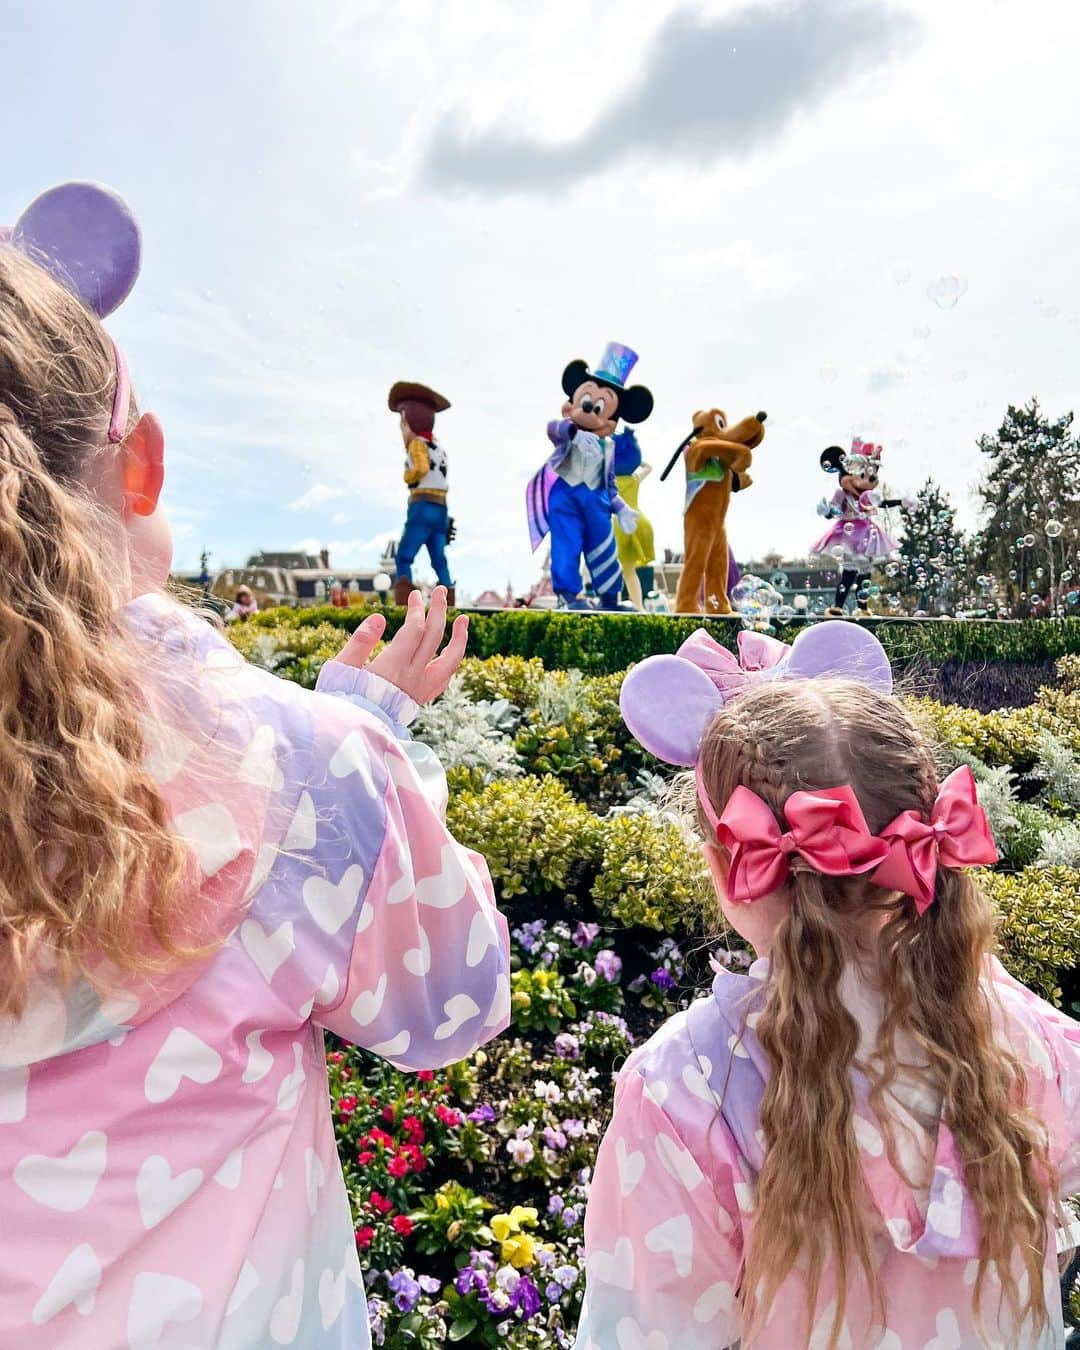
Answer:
[(468, 1186)]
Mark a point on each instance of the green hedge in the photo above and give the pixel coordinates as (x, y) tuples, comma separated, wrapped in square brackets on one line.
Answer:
[(606, 643)]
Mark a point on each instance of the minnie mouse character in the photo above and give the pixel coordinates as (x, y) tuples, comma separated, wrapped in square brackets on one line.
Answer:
[(854, 539), (574, 495)]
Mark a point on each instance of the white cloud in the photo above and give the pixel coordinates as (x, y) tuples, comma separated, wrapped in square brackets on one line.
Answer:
[(316, 495)]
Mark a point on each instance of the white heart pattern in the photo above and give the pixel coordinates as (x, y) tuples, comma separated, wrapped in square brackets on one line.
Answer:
[(368, 1003), (303, 832), (616, 1267), (314, 1178), (75, 1282), (679, 1161), (328, 990), (631, 1337), (631, 1167), (182, 1056), (331, 1297), (718, 1298), (159, 1192), (868, 1137), (267, 855), (68, 1182), (260, 1060), (157, 1300), (459, 1010), (395, 1046), (289, 1091), (258, 768), (482, 935), (246, 1284), (13, 1085), (329, 903), (285, 1319), (417, 960), (946, 1215), (269, 951), (228, 1174), (352, 756), (657, 1091), (819, 1337), (696, 1079), (675, 1236), (448, 887), (212, 834)]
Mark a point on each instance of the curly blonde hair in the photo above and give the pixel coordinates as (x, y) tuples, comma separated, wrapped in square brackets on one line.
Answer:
[(89, 865), (811, 1203)]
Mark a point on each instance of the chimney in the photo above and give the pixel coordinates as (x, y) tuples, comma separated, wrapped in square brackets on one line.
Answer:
[(324, 558)]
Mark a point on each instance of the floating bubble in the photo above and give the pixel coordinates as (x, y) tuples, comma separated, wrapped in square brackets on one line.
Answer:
[(894, 602), (1029, 541), (849, 527), (1013, 574), (1073, 597), (946, 291), (1053, 528), (891, 569), (756, 602), (1036, 599), (1040, 571), (800, 602)]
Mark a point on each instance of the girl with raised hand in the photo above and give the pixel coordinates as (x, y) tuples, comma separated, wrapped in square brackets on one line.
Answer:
[(202, 867), (865, 1141)]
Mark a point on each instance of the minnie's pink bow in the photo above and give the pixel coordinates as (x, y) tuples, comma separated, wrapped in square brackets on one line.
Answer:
[(956, 835), (828, 831), (757, 651)]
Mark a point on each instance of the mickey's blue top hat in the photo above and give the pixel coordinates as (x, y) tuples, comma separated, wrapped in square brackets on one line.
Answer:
[(635, 403), (616, 364)]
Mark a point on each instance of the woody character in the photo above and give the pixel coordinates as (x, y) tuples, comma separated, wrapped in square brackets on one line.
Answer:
[(427, 521)]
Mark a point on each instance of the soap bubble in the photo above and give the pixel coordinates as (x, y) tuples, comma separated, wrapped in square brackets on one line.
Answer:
[(1029, 541), (849, 527), (891, 569), (1040, 571), (1013, 574), (800, 602), (894, 602), (1053, 528), (1073, 597), (756, 602), (946, 291)]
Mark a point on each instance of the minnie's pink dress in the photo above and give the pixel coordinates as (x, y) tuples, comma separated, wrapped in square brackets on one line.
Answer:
[(672, 1205), (854, 539), (168, 1173)]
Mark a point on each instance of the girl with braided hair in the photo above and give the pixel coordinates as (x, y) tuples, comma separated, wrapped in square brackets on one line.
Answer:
[(866, 1139)]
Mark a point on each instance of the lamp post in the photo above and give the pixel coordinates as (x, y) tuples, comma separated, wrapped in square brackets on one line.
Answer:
[(382, 583)]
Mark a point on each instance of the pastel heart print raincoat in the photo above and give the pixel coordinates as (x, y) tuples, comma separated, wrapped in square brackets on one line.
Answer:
[(672, 1204), (168, 1172)]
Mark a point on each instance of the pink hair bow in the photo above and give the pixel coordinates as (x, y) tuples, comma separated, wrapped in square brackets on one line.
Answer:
[(828, 831), (957, 835), (731, 675)]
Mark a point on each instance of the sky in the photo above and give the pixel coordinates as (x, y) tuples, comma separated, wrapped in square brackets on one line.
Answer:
[(859, 216)]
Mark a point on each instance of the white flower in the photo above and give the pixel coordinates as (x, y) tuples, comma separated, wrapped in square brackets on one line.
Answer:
[(507, 1278), (547, 1092), (587, 974), (521, 1150)]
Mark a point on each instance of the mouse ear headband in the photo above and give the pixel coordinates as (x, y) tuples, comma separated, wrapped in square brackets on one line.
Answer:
[(87, 238)]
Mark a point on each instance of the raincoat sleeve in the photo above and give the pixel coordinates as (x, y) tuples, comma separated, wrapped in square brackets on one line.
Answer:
[(405, 916), (663, 1237)]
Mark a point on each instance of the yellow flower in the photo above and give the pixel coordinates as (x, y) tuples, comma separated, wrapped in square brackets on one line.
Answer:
[(442, 1202), (523, 1216), (502, 1225), (519, 1251)]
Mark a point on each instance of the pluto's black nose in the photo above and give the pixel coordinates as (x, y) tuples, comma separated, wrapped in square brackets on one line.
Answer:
[(762, 416)]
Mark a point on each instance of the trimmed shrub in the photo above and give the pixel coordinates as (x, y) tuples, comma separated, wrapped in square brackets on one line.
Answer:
[(651, 873), (999, 739), (514, 678), (1039, 930), (531, 831)]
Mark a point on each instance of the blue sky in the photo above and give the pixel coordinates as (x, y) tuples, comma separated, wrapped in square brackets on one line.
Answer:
[(756, 197)]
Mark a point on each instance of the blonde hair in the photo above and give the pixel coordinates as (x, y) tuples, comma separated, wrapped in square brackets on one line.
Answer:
[(89, 865), (811, 1202)]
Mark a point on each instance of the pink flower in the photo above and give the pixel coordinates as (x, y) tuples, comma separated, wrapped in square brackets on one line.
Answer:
[(364, 1236), (398, 1166), (402, 1225)]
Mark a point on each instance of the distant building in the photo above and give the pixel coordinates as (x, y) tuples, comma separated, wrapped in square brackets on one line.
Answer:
[(297, 579)]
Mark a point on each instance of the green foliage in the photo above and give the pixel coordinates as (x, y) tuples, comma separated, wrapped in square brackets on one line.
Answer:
[(452, 1219), (1039, 930), (997, 738), (296, 654), (514, 678), (607, 643), (539, 1000), (652, 873), (531, 831)]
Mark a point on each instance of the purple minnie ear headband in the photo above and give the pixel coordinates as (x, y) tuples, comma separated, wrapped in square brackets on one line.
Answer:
[(87, 238)]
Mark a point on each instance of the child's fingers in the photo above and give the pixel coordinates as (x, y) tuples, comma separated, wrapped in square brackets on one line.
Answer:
[(409, 635), (357, 651), (441, 670), (434, 627)]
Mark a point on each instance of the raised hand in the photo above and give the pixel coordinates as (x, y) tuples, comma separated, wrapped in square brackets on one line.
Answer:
[(409, 660)]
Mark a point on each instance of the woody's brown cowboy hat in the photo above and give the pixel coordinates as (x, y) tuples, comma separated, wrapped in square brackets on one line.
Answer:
[(408, 391)]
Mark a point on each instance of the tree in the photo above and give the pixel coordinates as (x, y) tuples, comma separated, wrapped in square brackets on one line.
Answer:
[(931, 572), (1032, 480)]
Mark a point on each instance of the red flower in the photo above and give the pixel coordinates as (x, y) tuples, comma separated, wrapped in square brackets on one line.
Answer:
[(381, 1203), (377, 1136), (335, 1057), (398, 1166), (346, 1106), (364, 1157), (388, 1114), (426, 1076), (448, 1116), (364, 1236), (417, 1161), (403, 1225), (414, 1129)]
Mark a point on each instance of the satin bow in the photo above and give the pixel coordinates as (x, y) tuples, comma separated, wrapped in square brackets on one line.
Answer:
[(957, 835), (757, 652), (828, 831)]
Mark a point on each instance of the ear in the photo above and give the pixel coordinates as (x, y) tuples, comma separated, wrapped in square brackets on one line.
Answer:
[(719, 863), (832, 459), (635, 404), (667, 703), (143, 452), (574, 375)]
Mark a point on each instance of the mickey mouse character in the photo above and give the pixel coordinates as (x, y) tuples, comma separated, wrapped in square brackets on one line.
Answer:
[(574, 495), (854, 539)]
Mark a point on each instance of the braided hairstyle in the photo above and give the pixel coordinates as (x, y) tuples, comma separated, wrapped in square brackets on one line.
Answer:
[(811, 1206), (89, 866)]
